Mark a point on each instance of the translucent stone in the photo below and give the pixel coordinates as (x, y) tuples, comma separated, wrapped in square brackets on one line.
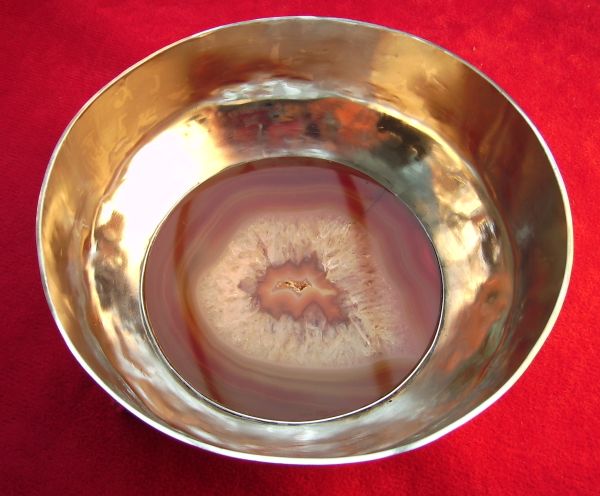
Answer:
[(292, 289)]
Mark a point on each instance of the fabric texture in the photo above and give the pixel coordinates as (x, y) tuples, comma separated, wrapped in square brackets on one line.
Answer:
[(61, 434)]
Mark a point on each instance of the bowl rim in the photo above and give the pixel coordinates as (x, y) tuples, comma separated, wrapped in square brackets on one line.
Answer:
[(551, 321)]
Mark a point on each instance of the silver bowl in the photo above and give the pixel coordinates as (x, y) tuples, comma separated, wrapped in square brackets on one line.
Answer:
[(424, 124)]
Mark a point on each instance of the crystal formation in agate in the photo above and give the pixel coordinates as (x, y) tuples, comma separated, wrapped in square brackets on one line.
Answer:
[(292, 290)]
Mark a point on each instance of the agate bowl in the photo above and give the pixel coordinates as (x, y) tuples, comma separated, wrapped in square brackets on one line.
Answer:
[(304, 240)]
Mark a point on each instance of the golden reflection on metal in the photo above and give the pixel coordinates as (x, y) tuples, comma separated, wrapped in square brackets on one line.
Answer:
[(424, 124), (165, 167)]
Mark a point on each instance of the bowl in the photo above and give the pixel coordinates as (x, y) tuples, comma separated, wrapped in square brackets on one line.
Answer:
[(304, 240)]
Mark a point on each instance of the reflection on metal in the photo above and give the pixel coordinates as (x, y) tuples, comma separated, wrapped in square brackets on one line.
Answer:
[(412, 116)]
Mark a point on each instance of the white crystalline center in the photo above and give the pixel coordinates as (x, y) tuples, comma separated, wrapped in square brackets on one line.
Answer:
[(225, 293)]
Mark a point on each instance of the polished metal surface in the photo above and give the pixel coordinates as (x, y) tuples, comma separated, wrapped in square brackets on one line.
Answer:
[(423, 123)]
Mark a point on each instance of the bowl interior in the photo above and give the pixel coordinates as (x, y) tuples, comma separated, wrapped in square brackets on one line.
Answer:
[(422, 123)]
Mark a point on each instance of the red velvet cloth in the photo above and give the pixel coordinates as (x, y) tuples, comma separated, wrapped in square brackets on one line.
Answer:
[(61, 434)]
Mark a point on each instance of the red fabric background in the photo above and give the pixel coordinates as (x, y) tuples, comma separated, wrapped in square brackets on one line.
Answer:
[(61, 434)]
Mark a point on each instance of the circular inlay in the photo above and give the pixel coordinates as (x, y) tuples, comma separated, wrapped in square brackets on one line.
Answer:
[(292, 289)]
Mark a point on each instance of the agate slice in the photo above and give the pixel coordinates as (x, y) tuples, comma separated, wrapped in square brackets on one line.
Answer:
[(292, 289)]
